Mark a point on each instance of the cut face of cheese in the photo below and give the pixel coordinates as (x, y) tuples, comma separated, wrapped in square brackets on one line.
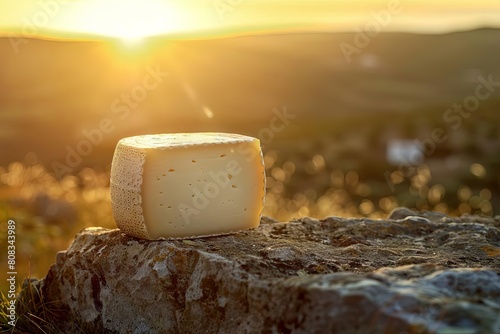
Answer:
[(187, 184)]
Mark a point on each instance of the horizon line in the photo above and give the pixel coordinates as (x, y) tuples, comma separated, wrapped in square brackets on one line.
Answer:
[(54, 35)]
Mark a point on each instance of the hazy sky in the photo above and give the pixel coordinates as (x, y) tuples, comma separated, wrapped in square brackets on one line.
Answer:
[(138, 18)]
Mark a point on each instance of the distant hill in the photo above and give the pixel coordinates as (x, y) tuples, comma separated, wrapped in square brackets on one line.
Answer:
[(50, 90)]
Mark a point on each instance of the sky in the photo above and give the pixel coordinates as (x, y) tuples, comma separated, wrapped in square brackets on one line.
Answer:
[(135, 19)]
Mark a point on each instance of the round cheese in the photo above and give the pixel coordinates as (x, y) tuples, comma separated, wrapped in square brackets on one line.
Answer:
[(186, 185)]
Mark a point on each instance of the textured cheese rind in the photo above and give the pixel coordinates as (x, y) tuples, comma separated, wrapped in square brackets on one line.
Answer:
[(128, 171), (125, 188)]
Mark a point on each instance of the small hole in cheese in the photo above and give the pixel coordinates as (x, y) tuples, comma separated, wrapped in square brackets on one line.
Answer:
[(234, 186), (171, 170)]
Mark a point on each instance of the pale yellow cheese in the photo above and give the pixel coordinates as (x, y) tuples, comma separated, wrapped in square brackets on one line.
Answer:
[(187, 184)]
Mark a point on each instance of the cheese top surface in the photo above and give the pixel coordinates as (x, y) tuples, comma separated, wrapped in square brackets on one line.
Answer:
[(187, 185), (172, 140)]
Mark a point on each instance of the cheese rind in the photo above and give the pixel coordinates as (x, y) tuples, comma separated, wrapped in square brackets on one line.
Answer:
[(125, 188), (187, 185)]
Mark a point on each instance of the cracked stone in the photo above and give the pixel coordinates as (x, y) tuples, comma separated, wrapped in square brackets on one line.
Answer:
[(412, 273)]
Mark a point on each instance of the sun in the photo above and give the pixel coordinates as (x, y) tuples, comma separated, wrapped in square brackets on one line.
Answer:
[(130, 21)]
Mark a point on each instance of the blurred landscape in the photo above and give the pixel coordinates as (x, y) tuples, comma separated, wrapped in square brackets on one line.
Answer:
[(350, 143)]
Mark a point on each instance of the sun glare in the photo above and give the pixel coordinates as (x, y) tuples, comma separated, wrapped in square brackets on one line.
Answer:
[(131, 42), (133, 20), (129, 21)]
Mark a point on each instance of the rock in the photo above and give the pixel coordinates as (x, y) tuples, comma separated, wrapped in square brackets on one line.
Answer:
[(402, 213), (405, 275)]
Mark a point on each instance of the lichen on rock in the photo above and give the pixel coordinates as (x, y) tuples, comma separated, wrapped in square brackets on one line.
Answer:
[(412, 273)]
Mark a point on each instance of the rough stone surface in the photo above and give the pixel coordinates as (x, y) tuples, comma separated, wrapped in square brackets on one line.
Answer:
[(413, 273)]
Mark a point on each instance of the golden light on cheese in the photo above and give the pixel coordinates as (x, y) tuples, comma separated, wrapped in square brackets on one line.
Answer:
[(187, 184)]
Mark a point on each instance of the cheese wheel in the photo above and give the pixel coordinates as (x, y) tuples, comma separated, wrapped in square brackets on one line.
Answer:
[(187, 185)]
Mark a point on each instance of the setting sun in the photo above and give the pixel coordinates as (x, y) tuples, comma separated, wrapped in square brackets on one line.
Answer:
[(130, 21)]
